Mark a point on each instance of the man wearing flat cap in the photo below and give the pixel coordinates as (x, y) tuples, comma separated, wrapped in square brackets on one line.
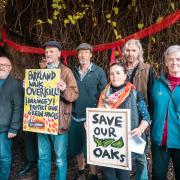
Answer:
[(91, 80), (69, 93)]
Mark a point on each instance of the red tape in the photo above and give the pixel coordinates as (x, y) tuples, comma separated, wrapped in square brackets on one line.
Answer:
[(154, 28)]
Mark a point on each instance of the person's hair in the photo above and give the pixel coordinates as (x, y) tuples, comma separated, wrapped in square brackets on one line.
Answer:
[(121, 64), (6, 57), (137, 43), (171, 49)]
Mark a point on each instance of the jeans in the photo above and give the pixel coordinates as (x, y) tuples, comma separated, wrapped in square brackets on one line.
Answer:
[(5, 156), (115, 174), (139, 162), (59, 142)]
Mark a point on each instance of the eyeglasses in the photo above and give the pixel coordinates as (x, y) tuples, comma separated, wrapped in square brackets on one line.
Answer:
[(4, 65)]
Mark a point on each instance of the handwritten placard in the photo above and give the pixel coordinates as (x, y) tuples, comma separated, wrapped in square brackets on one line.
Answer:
[(107, 137), (41, 101)]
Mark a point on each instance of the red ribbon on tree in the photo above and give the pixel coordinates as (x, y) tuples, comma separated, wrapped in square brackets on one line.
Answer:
[(154, 28)]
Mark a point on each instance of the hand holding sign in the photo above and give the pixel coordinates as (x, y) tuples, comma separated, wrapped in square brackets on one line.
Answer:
[(61, 85)]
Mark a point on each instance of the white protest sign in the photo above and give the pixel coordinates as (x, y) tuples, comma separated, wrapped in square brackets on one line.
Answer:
[(107, 137)]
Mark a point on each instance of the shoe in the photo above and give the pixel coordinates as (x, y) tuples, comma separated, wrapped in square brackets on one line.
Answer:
[(29, 166)]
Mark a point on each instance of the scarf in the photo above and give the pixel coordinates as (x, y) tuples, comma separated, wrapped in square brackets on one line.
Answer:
[(113, 100)]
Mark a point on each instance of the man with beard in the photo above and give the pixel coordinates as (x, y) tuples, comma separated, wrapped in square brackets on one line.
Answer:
[(142, 76), (91, 80)]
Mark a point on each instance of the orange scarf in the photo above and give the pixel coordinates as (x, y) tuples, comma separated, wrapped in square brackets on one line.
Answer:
[(113, 101)]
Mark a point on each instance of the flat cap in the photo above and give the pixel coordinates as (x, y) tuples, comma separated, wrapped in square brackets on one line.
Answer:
[(52, 43), (85, 46)]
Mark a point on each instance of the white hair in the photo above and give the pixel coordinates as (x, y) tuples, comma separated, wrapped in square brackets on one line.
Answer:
[(137, 43), (171, 49)]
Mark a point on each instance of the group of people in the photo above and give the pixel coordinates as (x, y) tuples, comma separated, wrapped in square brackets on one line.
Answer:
[(154, 103)]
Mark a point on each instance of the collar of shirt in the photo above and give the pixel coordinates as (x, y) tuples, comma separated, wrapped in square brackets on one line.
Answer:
[(83, 75), (53, 66), (2, 82)]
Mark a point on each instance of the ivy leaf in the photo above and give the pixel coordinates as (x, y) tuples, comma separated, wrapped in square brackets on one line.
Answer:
[(108, 16), (133, 3), (69, 17), (114, 23), (55, 6), (116, 10), (94, 24), (39, 21), (140, 25), (73, 21), (172, 6), (66, 21), (64, 6), (50, 21), (55, 17), (118, 37), (108, 21), (55, 13), (159, 19), (56, 1), (115, 32), (153, 39)]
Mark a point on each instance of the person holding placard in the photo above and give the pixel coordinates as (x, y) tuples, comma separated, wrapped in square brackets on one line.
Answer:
[(120, 93), (68, 93), (31, 144)]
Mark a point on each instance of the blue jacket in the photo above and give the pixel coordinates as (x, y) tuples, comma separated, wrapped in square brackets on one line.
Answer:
[(165, 102), (90, 88)]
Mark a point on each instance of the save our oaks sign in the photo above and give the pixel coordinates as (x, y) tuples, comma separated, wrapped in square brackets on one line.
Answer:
[(41, 101), (107, 137)]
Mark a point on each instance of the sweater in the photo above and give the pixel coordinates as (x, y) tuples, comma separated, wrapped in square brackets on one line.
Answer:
[(11, 105)]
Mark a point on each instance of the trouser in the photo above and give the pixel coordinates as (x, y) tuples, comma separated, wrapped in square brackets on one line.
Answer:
[(59, 143), (115, 174), (31, 146), (5, 156), (160, 161), (139, 162)]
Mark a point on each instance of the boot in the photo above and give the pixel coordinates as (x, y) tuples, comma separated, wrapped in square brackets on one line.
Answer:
[(29, 166)]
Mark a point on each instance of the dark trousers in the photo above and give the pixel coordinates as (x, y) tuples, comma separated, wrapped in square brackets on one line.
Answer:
[(160, 161), (113, 174), (31, 146)]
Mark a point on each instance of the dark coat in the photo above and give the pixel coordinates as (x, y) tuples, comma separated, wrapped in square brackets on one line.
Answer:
[(11, 105)]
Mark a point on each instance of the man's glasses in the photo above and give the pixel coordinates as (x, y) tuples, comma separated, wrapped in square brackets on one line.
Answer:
[(4, 65)]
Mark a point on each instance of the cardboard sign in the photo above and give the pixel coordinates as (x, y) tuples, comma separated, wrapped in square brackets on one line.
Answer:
[(107, 137), (41, 101)]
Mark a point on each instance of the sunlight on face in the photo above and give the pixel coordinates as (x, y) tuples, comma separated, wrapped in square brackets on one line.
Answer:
[(117, 76)]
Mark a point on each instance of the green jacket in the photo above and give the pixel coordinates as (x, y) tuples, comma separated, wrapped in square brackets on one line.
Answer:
[(90, 88)]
